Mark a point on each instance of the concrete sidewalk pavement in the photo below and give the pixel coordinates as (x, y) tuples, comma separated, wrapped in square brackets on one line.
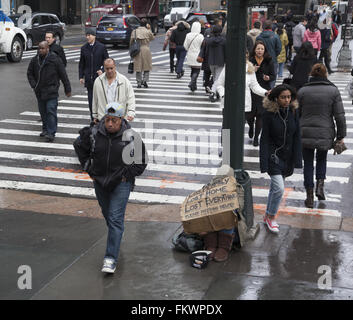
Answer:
[(61, 241)]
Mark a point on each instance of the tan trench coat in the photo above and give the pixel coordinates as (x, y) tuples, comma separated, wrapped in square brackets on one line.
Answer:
[(143, 61)]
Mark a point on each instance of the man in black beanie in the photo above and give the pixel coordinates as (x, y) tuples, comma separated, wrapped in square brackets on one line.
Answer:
[(93, 54)]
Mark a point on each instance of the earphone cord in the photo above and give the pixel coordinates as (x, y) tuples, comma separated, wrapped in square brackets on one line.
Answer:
[(285, 130)]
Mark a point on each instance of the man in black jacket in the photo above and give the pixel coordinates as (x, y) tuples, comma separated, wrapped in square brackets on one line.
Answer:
[(54, 47), (178, 37), (93, 54), (44, 74), (117, 158)]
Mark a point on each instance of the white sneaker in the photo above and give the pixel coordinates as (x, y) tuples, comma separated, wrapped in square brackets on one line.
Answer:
[(109, 265), (271, 224)]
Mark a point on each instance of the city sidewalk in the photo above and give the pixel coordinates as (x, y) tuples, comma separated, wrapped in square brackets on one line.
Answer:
[(62, 240)]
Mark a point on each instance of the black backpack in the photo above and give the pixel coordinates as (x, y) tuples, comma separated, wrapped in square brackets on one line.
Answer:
[(84, 146), (186, 242)]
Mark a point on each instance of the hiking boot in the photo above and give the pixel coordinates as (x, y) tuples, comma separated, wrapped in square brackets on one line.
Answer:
[(109, 265), (319, 192), (309, 202), (210, 241), (144, 83), (272, 225), (179, 75), (225, 242)]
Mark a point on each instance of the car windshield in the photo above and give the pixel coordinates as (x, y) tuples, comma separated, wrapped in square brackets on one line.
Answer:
[(198, 17), (112, 23), (179, 4)]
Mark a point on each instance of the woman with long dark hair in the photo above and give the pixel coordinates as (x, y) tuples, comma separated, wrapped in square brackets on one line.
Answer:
[(302, 64), (313, 35), (322, 121), (280, 145), (265, 74)]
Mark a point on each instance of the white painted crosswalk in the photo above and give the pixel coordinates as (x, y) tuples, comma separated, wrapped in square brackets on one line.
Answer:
[(182, 134), (121, 56)]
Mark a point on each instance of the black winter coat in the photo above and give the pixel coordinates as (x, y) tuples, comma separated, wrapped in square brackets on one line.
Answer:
[(300, 68), (59, 51), (216, 50), (44, 77), (319, 103), (108, 167), (179, 34), (91, 60), (266, 68), (281, 132)]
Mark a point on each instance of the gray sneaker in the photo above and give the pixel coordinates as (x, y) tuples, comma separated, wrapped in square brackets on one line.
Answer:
[(109, 265)]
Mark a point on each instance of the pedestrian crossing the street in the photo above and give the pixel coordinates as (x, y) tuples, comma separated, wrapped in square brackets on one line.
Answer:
[(121, 56), (182, 133)]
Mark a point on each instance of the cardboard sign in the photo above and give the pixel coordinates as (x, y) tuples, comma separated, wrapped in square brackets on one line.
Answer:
[(211, 208)]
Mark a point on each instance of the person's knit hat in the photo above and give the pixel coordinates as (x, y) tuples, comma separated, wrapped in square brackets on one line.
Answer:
[(91, 31), (115, 109)]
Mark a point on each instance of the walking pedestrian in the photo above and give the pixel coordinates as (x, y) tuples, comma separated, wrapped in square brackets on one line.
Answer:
[(251, 86), (216, 57), (281, 59), (255, 32), (265, 73), (172, 46), (110, 87), (302, 65), (313, 35), (325, 53), (289, 27), (143, 60), (54, 47), (92, 56), (44, 74), (298, 34), (113, 172), (178, 37), (273, 45), (322, 121), (192, 45), (280, 146)]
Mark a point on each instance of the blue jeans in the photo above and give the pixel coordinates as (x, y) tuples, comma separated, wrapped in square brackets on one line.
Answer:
[(113, 205), (180, 54), (321, 164), (275, 195), (48, 110), (280, 69)]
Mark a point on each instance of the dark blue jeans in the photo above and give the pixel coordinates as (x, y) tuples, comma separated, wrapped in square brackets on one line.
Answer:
[(113, 205), (321, 163), (180, 54), (48, 113)]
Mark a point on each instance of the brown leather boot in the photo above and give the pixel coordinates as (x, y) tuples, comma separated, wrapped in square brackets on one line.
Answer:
[(211, 242), (225, 242), (319, 192), (309, 202)]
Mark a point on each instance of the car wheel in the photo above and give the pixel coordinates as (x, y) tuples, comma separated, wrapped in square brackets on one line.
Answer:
[(29, 43), (16, 50)]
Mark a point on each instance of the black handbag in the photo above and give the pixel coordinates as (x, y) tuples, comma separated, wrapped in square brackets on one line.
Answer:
[(134, 48), (130, 67)]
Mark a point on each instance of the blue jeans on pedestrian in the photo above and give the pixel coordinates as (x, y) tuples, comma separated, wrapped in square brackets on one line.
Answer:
[(180, 54), (280, 69), (48, 113), (321, 165), (275, 195), (113, 204)]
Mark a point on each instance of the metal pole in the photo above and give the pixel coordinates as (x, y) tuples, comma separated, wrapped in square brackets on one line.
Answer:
[(235, 81), (345, 57)]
